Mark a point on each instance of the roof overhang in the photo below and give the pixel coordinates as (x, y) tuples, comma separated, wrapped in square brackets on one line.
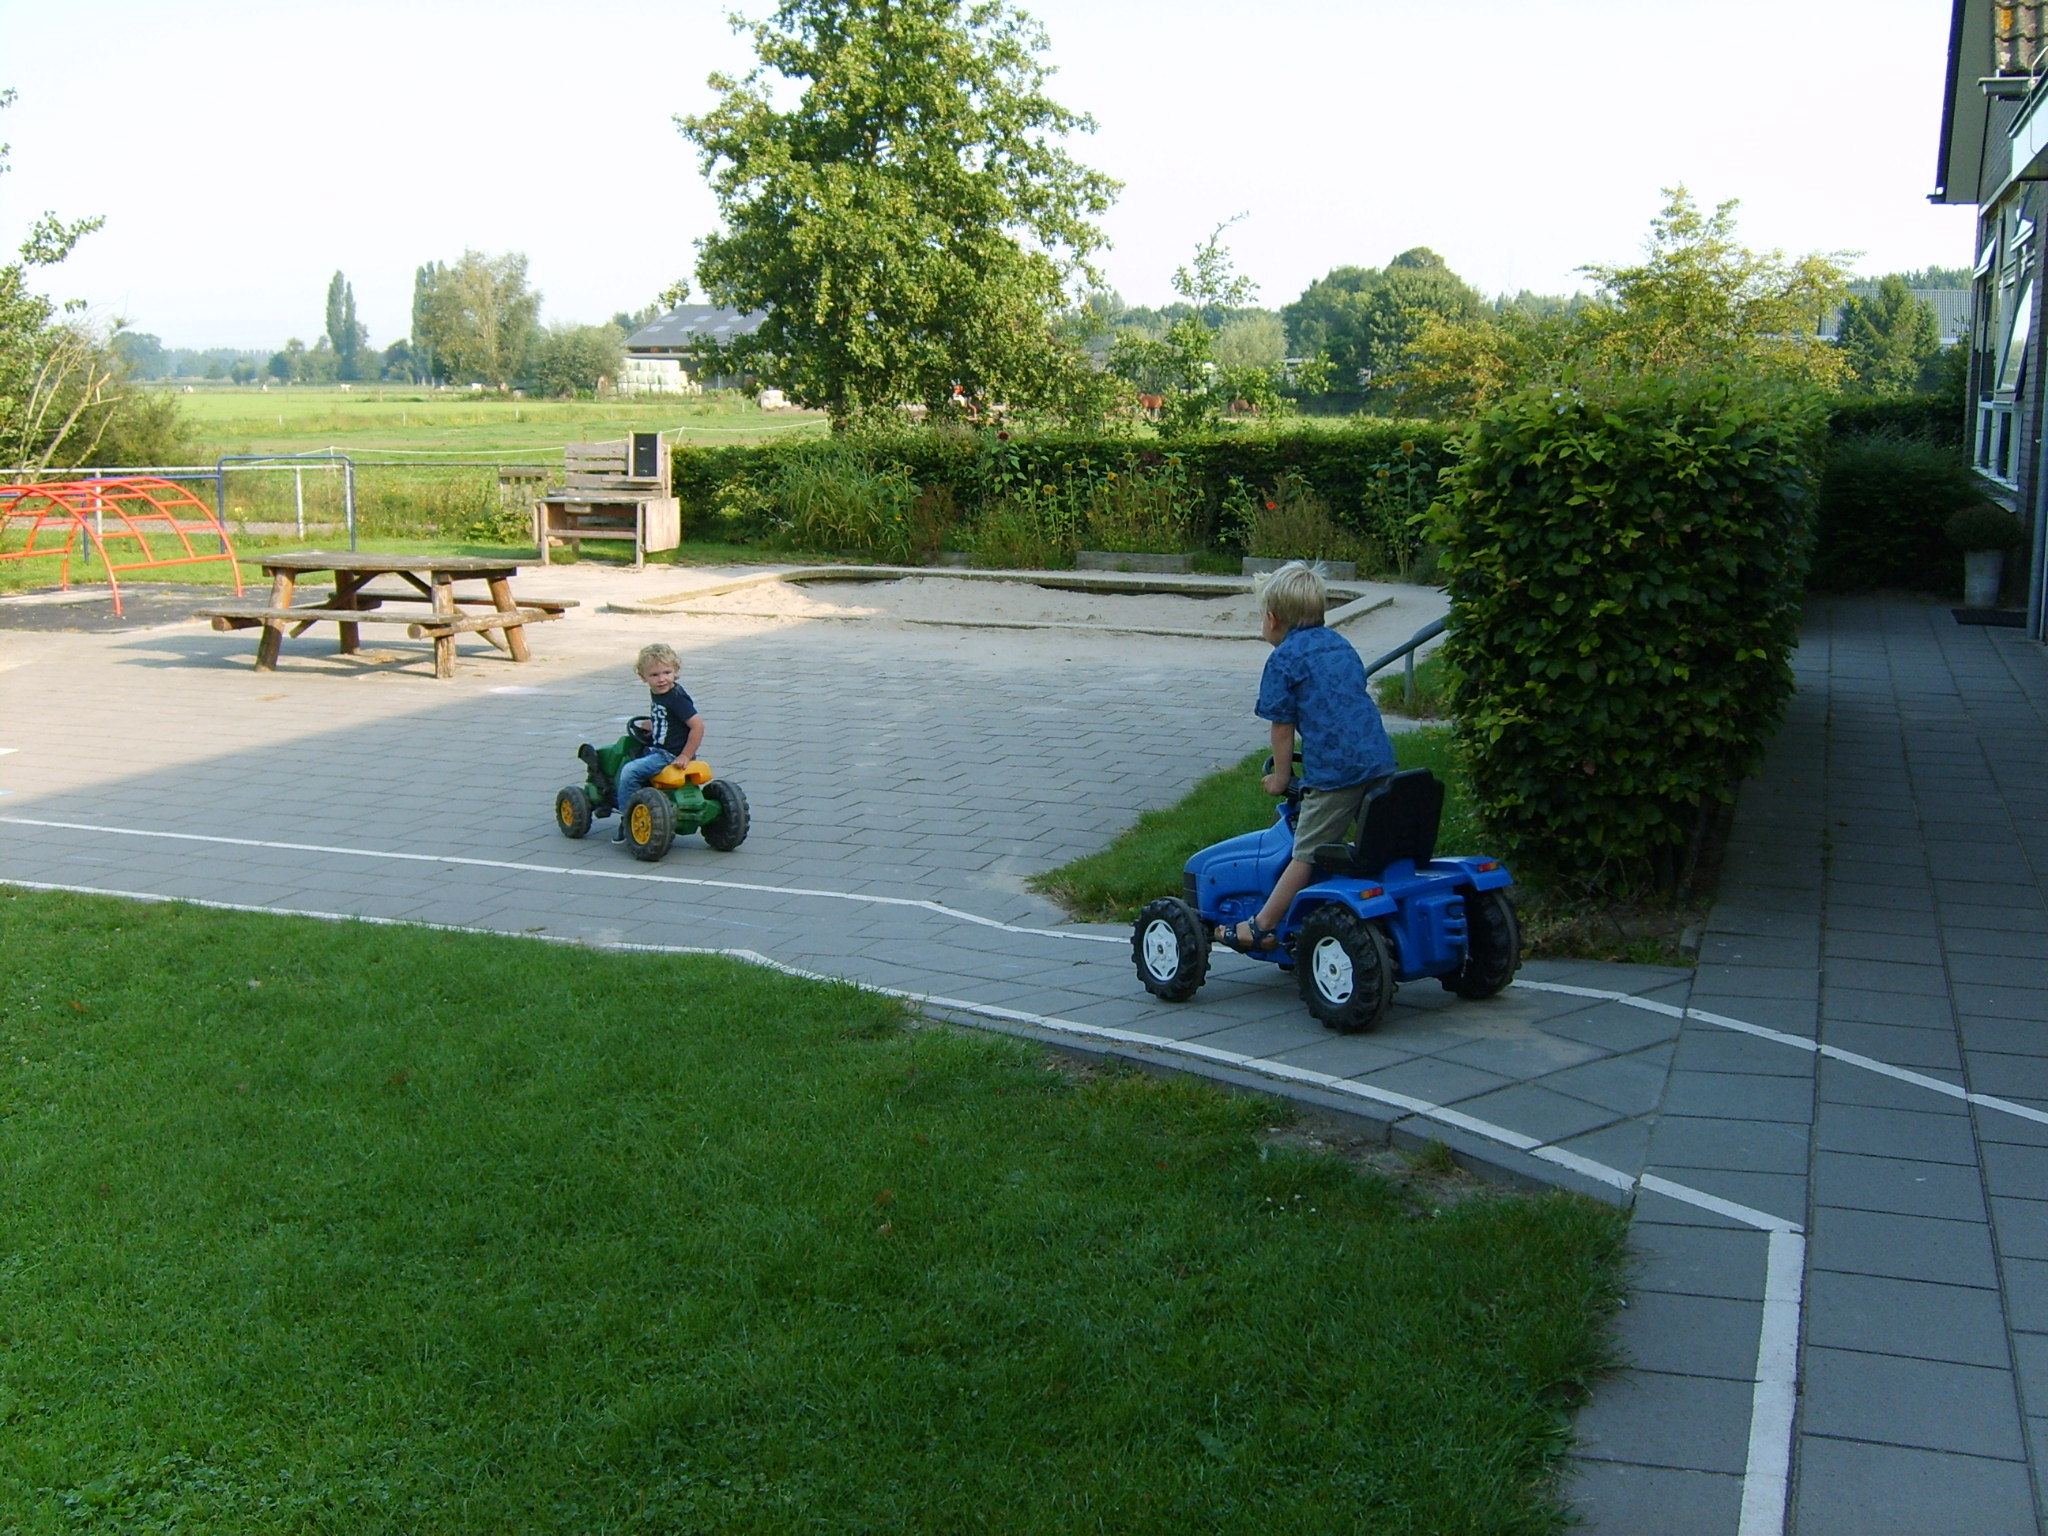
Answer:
[(1965, 108)]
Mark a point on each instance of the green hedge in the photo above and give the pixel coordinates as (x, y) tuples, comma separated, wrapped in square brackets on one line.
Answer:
[(1883, 501), (730, 492), (1625, 563), (1936, 419)]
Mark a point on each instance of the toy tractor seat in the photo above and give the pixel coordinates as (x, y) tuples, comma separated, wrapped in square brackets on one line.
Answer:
[(1400, 822)]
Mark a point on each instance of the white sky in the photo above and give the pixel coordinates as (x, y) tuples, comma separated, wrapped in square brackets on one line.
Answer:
[(242, 152)]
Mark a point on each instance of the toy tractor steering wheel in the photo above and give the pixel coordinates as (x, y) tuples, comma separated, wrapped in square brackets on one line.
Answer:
[(1293, 793)]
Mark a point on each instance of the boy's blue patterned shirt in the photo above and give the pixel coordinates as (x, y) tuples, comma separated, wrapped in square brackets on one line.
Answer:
[(1315, 682)]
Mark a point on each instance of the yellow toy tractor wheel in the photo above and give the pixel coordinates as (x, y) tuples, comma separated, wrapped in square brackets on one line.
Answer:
[(650, 824)]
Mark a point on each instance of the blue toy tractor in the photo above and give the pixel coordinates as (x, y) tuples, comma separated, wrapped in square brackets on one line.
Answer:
[(1383, 911), (682, 797)]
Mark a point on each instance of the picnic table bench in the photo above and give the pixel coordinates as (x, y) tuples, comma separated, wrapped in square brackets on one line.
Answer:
[(612, 491), (498, 617)]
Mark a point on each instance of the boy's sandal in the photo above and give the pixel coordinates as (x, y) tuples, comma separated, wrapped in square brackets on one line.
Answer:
[(1262, 942)]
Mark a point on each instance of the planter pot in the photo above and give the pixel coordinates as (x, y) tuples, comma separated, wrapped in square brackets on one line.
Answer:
[(1333, 570), (1113, 560), (1983, 574)]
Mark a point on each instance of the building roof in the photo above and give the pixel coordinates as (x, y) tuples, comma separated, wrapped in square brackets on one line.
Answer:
[(683, 328)]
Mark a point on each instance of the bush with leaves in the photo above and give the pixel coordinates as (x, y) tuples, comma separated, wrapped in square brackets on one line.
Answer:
[(1883, 498), (1290, 520), (726, 489), (837, 501), (1626, 560)]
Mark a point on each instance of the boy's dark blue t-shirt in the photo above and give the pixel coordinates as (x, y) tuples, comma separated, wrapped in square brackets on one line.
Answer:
[(671, 713), (1315, 682)]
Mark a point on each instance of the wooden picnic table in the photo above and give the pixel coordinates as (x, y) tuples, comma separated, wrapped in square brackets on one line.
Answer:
[(428, 579)]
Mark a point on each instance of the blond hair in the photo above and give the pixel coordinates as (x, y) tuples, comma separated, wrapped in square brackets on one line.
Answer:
[(657, 655), (1295, 595)]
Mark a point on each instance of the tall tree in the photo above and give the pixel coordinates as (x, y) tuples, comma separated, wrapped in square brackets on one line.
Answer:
[(344, 332), (1698, 299), (908, 221), (1362, 320), (476, 318), (424, 280), (1890, 339)]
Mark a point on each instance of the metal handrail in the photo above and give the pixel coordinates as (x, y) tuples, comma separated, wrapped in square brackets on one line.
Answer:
[(1408, 648)]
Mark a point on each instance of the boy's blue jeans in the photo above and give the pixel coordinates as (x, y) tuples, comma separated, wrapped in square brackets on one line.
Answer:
[(634, 776)]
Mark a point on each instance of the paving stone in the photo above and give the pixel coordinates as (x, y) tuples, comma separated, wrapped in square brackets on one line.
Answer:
[(1897, 1185), (1698, 1261), (2023, 1078), (1613, 1498), (1536, 1111), (1851, 1489), (1630, 1085), (1903, 1247), (1748, 1143), (1624, 1145), (1892, 1400), (1740, 1095), (1684, 1422), (1918, 1134), (1686, 1334), (1849, 1004), (1933, 1051), (1962, 1324), (2026, 1292)]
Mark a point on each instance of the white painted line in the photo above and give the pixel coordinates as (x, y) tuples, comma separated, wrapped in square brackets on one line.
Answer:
[(1798, 1043), (645, 877), (1766, 1469)]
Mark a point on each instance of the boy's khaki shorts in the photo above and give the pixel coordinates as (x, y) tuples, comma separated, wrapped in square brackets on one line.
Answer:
[(1329, 816)]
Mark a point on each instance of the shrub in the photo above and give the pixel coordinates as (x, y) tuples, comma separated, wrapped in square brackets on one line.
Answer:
[(1984, 527), (840, 501), (1143, 506), (1883, 498), (1292, 521), (992, 472), (1625, 563), (1029, 532), (1936, 419)]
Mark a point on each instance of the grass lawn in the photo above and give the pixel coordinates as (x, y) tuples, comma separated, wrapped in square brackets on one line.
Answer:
[(1146, 861), (330, 1228), (390, 418)]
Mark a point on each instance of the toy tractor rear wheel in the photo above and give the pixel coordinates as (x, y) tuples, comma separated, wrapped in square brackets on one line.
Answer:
[(572, 811), (1493, 946), (729, 830), (1344, 969), (650, 824), (1170, 948)]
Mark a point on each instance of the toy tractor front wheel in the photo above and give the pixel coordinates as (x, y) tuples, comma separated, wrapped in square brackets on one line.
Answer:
[(1171, 949), (1493, 946), (572, 811), (1343, 967), (650, 824), (729, 829)]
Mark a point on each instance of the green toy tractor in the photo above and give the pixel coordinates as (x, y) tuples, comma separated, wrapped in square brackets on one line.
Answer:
[(683, 797)]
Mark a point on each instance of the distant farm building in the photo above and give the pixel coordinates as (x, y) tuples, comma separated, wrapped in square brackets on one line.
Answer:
[(668, 356)]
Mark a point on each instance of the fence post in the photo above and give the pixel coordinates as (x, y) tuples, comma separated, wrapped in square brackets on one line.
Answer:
[(348, 494), (299, 496)]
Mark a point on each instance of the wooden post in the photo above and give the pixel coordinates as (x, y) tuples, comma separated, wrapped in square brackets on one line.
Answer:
[(281, 584), (514, 634), (444, 607)]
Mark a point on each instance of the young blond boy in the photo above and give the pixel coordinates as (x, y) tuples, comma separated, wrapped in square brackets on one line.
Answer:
[(678, 730), (1314, 686)]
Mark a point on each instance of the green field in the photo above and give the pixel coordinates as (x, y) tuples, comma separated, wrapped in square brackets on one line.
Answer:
[(380, 420)]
